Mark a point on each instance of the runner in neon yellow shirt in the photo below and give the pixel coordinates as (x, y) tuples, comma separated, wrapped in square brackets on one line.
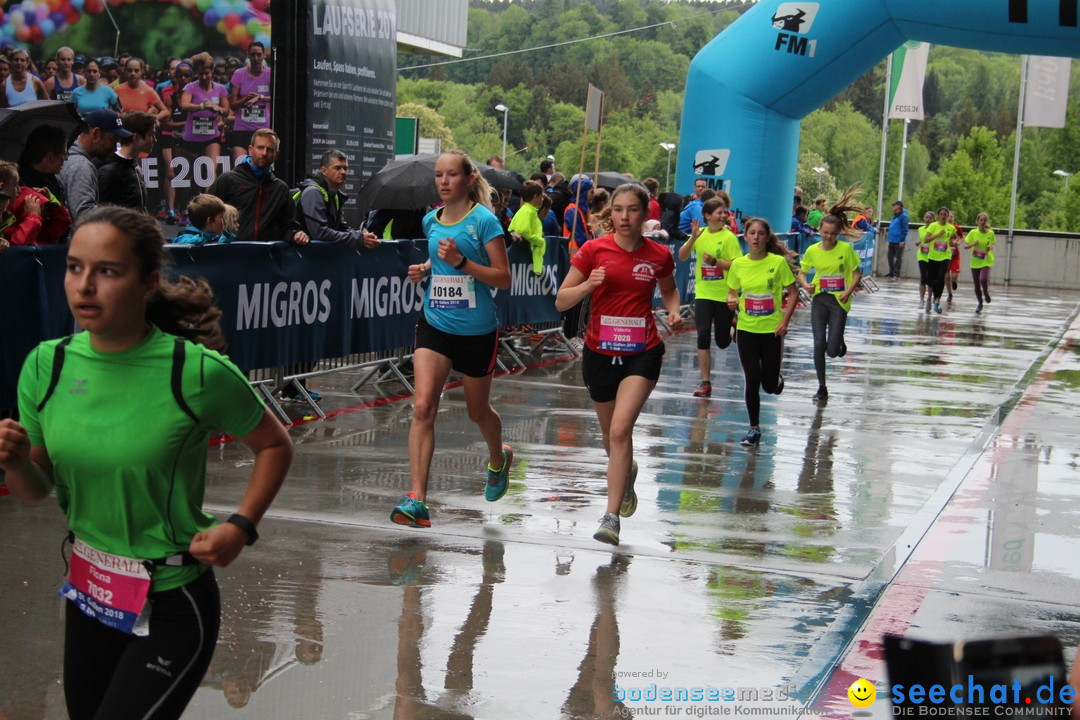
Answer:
[(981, 243), (939, 235), (836, 275), (756, 283), (922, 255), (716, 247)]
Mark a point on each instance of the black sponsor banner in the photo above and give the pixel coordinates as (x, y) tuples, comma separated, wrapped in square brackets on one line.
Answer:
[(351, 72), (281, 305)]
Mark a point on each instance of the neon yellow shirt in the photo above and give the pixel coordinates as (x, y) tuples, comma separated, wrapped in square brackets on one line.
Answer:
[(940, 248), (923, 252), (834, 269), (982, 255), (761, 283), (710, 283)]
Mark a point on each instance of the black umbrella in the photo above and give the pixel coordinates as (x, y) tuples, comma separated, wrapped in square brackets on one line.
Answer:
[(17, 123), (408, 183), (611, 180)]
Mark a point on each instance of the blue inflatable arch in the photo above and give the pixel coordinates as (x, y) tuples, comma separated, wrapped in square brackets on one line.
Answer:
[(748, 90)]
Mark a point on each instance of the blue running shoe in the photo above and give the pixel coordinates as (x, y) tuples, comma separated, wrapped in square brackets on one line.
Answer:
[(410, 511), (499, 480), (752, 438), (937, 308)]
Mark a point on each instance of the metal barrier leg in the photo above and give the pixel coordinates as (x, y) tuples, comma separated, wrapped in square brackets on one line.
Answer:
[(505, 345), (307, 398), (272, 402)]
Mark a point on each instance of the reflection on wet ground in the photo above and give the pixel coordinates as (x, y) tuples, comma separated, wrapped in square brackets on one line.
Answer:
[(933, 493)]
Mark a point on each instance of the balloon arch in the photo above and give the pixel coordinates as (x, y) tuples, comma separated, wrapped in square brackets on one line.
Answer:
[(30, 22), (749, 88)]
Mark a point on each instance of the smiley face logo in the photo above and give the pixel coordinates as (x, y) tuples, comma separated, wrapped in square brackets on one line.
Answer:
[(862, 693)]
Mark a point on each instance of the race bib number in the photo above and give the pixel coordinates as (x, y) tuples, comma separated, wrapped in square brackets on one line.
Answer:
[(452, 292), (941, 246), (832, 283), (622, 334), (759, 304), (254, 113), (711, 273), (924, 249), (204, 126), (979, 254), (112, 589)]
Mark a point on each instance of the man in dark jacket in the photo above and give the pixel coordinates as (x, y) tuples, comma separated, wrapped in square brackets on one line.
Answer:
[(267, 212), (78, 176), (119, 179), (321, 201)]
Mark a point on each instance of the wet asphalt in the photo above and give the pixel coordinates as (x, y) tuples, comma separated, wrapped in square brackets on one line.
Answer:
[(933, 495)]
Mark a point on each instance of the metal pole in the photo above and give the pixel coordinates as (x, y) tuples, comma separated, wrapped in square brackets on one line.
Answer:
[(903, 161), (1016, 169), (506, 114), (668, 182), (884, 145)]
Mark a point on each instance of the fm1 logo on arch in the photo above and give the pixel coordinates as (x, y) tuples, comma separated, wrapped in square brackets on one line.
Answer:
[(795, 19), (711, 165)]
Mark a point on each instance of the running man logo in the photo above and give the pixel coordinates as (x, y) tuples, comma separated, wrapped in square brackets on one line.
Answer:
[(795, 18), (712, 164)]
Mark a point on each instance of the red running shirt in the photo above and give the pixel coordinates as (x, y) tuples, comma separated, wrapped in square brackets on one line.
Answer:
[(621, 319)]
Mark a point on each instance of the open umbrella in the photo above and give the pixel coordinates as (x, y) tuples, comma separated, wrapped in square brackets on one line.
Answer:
[(16, 123), (408, 183), (611, 180)]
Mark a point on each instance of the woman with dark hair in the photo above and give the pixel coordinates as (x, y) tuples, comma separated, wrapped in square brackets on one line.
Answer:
[(117, 419), (756, 285), (922, 256), (837, 273), (981, 242), (623, 350)]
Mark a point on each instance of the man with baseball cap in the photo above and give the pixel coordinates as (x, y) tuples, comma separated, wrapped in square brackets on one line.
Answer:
[(898, 230), (79, 176)]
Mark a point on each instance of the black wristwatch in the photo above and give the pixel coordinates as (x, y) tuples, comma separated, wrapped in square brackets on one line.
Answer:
[(462, 263), (246, 525)]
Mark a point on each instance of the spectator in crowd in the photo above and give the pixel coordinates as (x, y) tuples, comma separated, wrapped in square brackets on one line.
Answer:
[(36, 218), (6, 219), (653, 186), (119, 180), (135, 95), (5, 68), (547, 166), (864, 220), (898, 232), (250, 99), (267, 211), (548, 221), (598, 211), (206, 104), (700, 185), (206, 215), (397, 224), (95, 94), (61, 85), (321, 201), (560, 195), (692, 210), (232, 223), (110, 71), (527, 226), (576, 215), (79, 175), (813, 218), (20, 87), (496, 162), (42, 159), (670, 207)]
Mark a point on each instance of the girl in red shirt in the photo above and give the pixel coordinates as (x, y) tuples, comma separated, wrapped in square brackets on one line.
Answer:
[(623, 351)]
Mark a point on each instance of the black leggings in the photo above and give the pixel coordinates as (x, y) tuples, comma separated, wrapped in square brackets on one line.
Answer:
[(980, 278), (924, 273), (110, 675), (760, 355), (715, 317), (938, 270), (827, 319)]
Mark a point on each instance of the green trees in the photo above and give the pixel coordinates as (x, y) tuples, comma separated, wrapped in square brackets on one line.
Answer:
[(960, 155)]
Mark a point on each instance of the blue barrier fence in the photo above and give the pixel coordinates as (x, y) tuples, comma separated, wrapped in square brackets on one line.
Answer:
[(285, 305)]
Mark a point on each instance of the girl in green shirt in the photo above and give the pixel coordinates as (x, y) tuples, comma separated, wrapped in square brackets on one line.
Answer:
[(981, 243)]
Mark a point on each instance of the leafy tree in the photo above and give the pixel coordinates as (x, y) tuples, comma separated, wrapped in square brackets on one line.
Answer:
[(431, 124), (971, 181), (848, 139)]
